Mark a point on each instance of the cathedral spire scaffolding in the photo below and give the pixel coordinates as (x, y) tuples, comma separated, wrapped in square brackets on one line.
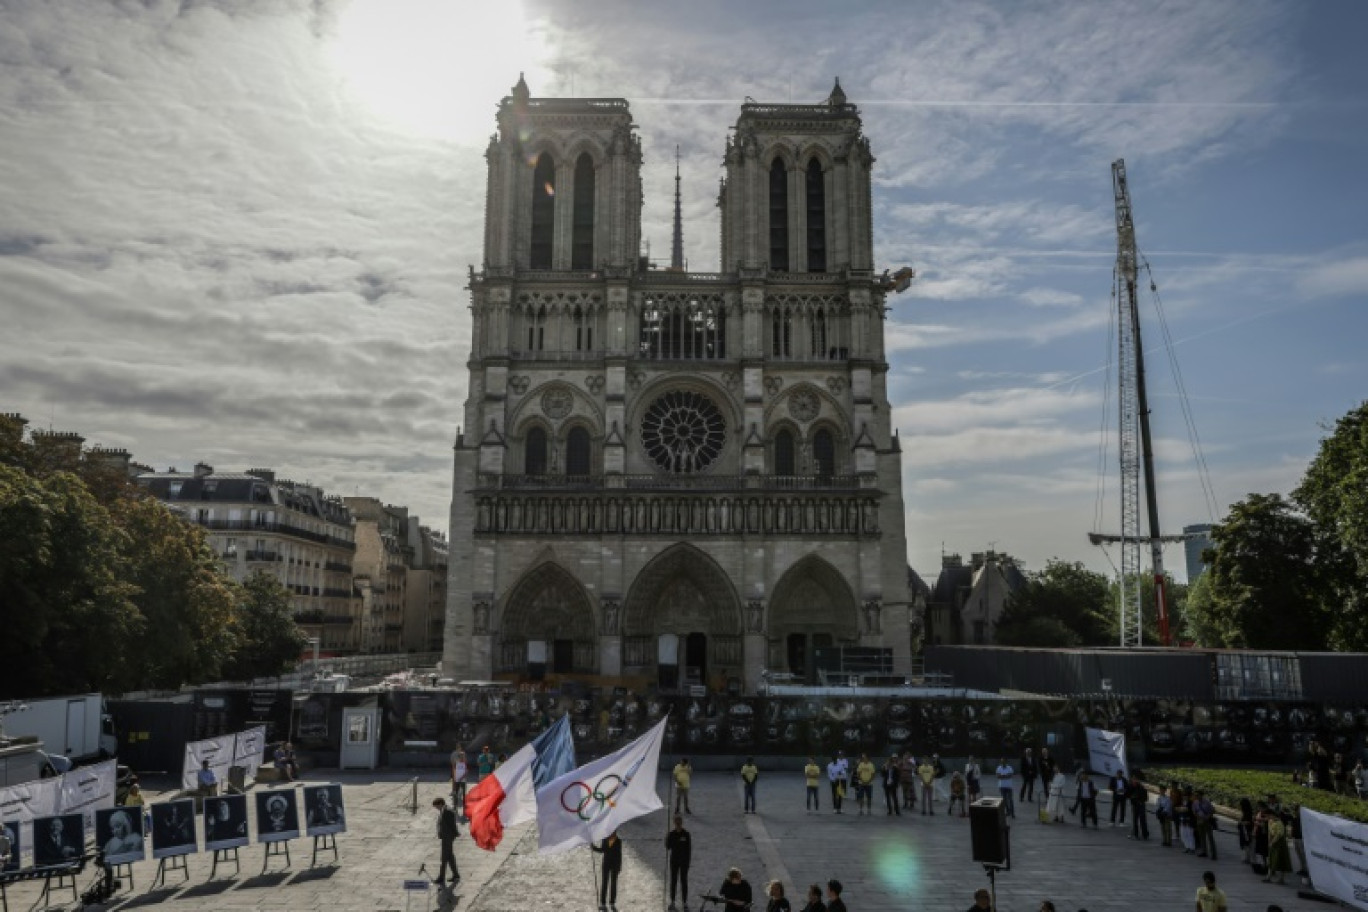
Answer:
[(677, 242)]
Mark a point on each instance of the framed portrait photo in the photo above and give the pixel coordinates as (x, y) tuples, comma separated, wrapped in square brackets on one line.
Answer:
[(119, 834), (173, 828), (323, 813), (277, 815)]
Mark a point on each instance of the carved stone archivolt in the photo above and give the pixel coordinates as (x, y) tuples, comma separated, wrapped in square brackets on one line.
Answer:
[(804, 405), (556, 403)]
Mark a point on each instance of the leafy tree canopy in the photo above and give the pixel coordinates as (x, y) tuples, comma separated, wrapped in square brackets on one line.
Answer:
[(1064, 604)]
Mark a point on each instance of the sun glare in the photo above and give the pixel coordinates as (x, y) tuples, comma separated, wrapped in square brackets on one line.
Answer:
[(434, 67)]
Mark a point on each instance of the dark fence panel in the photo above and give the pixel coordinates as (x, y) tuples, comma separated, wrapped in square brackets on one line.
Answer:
[(152, 734), (1069, 672)]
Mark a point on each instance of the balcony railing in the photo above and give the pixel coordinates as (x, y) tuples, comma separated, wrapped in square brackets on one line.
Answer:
[(263, 556), (256, 525), (337, 593), (671, 482), (337, 567)]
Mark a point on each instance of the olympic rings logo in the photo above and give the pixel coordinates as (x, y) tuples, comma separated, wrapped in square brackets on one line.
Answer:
[(587, 803)]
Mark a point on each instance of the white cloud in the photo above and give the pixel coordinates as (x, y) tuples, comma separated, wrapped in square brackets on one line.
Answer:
[(1335, 279)]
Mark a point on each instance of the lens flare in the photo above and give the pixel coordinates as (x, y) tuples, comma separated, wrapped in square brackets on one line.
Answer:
[(897, 864)]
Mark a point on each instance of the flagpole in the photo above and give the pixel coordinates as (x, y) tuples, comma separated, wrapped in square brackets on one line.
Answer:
[(669, 819), (593, 867)]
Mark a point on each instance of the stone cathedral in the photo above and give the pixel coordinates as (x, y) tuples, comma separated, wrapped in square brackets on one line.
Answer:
[(671, 477)]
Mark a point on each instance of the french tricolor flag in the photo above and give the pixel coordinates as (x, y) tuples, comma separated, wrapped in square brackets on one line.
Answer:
[(508, 795)]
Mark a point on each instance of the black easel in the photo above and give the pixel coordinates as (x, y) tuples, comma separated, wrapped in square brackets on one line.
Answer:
[(125, 870), (275, 850), (177, 863), (224, 856), (327, 842), (66, 880)]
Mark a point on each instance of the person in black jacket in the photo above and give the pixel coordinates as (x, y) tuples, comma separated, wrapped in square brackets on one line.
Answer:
[(834, 901), (611, 849), (1118, 808), (1138, 797), (447, 832), (1029, 770), (736, 892), (679, 848)]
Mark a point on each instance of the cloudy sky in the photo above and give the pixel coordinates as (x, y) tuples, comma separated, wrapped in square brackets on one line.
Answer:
[(239, 231)]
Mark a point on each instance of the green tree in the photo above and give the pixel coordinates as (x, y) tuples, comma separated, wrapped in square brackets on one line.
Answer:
[(271, 642), (1199, 622), (189, 608), (1267, 590), (68, 613), (1334, 494), (1176, 595), (1065, 604)]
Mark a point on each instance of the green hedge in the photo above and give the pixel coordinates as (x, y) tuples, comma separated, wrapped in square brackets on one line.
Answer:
[(1228, 786)]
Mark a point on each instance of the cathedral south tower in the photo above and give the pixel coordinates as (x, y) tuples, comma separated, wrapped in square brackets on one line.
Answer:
[(667, 477)]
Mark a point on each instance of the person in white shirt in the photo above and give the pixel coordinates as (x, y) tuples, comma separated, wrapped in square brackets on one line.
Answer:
[(838, 772), (1006, 777), (459, 768)]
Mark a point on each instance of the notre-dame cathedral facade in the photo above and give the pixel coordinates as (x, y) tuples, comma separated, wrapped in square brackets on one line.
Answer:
[(673, 476)]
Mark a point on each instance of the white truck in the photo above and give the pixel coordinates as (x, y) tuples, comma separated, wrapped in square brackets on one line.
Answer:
[(75, 727)]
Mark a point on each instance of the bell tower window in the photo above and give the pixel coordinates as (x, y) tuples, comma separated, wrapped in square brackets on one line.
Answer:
[(534, 452), (543, 212), (582, 243), (823, 454), (816, 217), (778, 216), (783, 453), (577, 452)]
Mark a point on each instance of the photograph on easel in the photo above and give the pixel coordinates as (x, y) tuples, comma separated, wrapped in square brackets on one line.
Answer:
[(9, 858), (323, 810), (277, 815), (173, 829), (225, 822), (119, 834), (58, 840)]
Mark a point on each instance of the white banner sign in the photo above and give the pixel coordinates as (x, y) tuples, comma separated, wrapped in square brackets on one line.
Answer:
[(1335, 857), (1107, 752), (19, 804), (86, 789), (248, 750), (218, 751)]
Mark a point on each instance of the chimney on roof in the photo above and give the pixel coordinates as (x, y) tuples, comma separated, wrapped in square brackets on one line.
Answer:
[(202, 469), (951, 561), (12, 426), (266, 475), (111, 458), (976, 559)]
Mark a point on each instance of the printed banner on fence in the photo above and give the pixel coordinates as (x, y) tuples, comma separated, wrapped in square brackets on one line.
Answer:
[(249, 749), (1107, 752), (87, 789), (218, 751), (19, 805), (1335, 858)]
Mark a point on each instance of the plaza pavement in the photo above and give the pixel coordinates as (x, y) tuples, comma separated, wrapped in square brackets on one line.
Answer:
[(886, 863)]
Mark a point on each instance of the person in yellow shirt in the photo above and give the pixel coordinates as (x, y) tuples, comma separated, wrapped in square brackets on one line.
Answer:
[(927, 774), (811, 773), (864, 784), (749, 774), (683, 772)]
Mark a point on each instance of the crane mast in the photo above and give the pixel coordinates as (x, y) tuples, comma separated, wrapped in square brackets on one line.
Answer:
[(1136, 448)]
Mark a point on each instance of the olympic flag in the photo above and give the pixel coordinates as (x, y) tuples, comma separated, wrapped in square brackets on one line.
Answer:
[(587, 804)]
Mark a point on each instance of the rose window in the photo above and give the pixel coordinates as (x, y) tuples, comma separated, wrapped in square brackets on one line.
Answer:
[(683, 431)]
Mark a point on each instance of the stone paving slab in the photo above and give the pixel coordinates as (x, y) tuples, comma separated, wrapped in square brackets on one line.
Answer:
[(886, 862)]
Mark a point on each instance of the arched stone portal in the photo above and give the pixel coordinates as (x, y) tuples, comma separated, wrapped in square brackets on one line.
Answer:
[(550, 606), (812, 606), (682, 599)]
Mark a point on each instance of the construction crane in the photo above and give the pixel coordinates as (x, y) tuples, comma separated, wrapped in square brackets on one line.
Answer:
[(1134, 444)]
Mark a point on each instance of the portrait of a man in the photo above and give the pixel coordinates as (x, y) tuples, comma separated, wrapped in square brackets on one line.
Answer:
[(277, 815), (324, 814), (173, 828), (58, 840), (225, 822), (119, 834), (10, 846)]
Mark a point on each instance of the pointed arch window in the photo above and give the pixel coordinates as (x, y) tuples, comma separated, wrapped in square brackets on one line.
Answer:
[(816, 217), (578, 454), (582, 236), (534, 452), (543, 212), (823, 454), (778, 216), (783, 453), (584, 331)]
